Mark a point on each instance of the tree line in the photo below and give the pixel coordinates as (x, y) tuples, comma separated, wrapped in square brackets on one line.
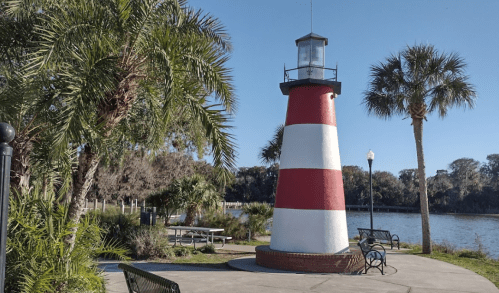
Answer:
[(466, 186)]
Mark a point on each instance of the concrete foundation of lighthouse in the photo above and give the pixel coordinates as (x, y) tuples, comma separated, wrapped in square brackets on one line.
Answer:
[(351, 262)]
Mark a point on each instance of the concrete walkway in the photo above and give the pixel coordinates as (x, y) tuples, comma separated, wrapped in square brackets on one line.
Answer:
[(405, 273)]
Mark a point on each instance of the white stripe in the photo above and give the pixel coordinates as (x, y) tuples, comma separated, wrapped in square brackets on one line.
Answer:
[(309, 231), (310, 146)]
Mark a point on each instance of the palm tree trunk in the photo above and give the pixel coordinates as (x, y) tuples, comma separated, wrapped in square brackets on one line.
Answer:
[(20, 170), (190, 215), (423, 196), (83, 179)]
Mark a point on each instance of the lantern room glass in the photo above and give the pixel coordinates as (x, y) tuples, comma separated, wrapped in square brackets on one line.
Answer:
[(311, 59)]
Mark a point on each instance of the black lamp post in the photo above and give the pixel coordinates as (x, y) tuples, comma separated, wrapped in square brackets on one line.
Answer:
[(370, 158), (7, 134)]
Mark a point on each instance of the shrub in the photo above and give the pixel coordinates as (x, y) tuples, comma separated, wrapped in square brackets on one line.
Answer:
[(232, 225), (118, 227), (209, 248), (181, 251), (259, 215), (150, 242), (39, 260)]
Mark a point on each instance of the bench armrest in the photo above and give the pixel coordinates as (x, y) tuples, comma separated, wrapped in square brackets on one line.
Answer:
[(377, 255), (393, 237), (375, 245)]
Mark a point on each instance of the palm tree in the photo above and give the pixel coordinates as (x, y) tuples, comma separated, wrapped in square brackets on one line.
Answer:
[(418, 81), (196, 193), (121, 71), (271, 152)]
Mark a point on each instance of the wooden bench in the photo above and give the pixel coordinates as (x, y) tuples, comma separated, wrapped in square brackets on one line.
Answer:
[(372, 258), (380, 236), (139, 281)]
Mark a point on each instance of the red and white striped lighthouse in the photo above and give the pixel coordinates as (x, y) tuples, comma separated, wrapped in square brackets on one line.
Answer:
[(309, 213)]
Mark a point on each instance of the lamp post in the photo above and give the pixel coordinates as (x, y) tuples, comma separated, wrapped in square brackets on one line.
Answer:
[(7, 134), (370, 158)]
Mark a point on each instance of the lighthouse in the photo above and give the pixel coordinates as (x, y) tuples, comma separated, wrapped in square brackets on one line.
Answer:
[(309, 211)]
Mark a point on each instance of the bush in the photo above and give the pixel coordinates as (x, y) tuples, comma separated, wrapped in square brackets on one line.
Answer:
[(259, 215), (150, 242), (209, 248), (39, 259), (181, 251), (232, 225), (117, 226)]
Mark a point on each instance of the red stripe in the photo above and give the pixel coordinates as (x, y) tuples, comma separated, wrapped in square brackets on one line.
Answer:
[(311, 104), (310, 189)]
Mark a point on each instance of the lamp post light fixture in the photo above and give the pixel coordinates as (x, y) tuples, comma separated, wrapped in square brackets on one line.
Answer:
[(370, 158)]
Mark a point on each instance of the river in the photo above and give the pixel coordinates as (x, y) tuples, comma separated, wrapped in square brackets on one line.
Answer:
[(458, 229)]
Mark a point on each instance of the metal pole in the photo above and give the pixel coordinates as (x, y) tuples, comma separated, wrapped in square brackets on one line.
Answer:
[(7, 134), (371, 240)]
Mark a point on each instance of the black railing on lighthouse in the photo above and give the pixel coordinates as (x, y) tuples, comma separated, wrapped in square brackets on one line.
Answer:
[(327, 71)]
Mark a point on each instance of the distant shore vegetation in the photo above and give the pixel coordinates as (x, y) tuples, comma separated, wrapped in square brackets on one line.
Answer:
[(466, 186)]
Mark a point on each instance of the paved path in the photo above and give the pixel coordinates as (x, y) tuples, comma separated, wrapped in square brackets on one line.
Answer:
[(405, 273)]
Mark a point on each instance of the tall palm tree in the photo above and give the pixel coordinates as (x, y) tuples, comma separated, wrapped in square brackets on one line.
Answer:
[(416, 82), (123, 70)]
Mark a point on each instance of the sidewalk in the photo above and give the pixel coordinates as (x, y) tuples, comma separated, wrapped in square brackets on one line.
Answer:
[(405, 273)]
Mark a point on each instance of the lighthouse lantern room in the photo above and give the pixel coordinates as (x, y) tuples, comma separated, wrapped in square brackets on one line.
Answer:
[(311, 56)]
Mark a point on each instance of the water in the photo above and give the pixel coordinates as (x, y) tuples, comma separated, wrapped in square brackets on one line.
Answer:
[(460, 230)]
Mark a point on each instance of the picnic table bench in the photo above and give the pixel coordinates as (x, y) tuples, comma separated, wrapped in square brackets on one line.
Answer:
[(198, 234), (373, 258), (140, 281), (381, 236)]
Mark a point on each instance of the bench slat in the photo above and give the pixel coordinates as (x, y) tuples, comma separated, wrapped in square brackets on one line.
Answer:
[(138, 280), (380, 235)]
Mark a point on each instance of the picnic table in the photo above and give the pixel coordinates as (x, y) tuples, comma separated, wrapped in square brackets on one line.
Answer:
[(198, 234)]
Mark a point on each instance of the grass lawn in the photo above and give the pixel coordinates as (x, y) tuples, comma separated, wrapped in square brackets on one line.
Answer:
[(218, 259), (472, 260), (252, 242)]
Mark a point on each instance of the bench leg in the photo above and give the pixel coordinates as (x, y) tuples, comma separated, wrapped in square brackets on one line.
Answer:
[(369, 265)]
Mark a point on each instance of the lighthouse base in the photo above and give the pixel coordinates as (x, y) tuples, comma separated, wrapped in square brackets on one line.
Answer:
[(347, 263)]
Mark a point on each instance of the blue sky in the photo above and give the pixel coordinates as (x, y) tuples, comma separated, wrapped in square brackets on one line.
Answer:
[(362, 33)]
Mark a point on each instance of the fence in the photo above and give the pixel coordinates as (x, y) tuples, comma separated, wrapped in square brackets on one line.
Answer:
[(102, 205)]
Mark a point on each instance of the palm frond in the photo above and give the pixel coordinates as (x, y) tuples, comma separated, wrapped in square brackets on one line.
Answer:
[(271, 152), (418, 75)]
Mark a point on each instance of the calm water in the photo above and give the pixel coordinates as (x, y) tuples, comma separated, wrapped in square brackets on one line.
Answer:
[(461, 230)]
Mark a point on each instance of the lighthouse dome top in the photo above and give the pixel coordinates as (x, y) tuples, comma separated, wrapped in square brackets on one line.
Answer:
[(311, 36)]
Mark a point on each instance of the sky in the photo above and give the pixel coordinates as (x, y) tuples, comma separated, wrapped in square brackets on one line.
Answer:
[(362, 33)]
